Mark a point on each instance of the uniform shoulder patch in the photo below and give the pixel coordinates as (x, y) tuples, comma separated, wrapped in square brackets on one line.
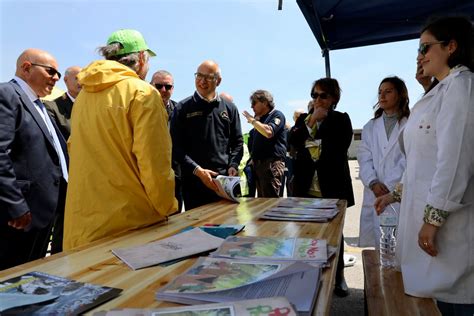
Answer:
[(277, 121)]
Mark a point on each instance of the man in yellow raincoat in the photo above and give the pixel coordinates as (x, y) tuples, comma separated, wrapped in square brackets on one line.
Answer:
[(120, 149)]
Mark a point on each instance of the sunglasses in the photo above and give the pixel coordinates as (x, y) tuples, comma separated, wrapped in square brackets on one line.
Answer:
[(425, 47), (159, 86), (50, 70), (322, 96), (208, 78)]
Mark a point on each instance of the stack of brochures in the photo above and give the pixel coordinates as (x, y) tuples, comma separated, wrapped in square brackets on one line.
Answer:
[(251, 268), (261, 307), (38, 293), (303, 210)]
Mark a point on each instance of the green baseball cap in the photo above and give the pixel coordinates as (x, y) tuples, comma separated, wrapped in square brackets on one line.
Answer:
[(131, 40)]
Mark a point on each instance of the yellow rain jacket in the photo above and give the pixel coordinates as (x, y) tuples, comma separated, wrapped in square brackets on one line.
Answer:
[(120, 175)]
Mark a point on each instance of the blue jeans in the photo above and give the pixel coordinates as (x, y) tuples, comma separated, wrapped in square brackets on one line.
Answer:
[(450, 309)]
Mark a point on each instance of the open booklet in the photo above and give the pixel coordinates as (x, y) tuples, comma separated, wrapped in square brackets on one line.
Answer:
[(273, 248), (224, 280), (228, 187), (272, 306), (38, 293)]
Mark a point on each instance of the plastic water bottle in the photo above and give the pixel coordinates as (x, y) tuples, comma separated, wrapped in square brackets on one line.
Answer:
[(388, 228)]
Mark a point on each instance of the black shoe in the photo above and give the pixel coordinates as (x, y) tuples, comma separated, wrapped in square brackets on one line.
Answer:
[(341, 289)]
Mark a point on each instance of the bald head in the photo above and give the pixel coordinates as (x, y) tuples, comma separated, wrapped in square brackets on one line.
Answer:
[(208, 77), (70, 79), (210, 66), (38, 69), (226, 96)]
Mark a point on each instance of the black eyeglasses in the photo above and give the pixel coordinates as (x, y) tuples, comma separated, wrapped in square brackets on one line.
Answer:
[(159, 86), (50, 70), (322, 95), (425, 47), (200, 76)]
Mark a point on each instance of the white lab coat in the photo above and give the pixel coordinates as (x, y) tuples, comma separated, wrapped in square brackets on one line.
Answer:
[(439, 144), (379, 159)]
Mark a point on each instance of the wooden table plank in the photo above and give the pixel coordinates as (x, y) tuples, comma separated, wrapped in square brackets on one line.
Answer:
[(95, 263), (384, 292)]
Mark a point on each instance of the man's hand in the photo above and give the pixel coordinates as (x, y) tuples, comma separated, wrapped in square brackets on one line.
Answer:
[(21, 222), (427, 239), (379, 189), (248, 116), (382, 201), (233, 172), (205, 175)]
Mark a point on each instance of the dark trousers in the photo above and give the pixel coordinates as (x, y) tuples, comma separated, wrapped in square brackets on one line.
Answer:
[(178, 193), (196, 194), (450, 309), (18, 246), (58, 223), (250, 174), (268, 176)]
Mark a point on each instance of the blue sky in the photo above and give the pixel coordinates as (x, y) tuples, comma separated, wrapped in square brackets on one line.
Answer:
[(256, 46)]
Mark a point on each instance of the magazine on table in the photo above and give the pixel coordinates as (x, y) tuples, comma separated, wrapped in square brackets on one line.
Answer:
[(300, 214), (59, 296), (308, 203), (271, 306), (228, 187), (178, 246), (273, 248), (223, 280)]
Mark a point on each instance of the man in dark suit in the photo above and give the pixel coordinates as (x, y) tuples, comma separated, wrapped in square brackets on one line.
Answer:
[(33, 162), (60, 108), (163, 81)]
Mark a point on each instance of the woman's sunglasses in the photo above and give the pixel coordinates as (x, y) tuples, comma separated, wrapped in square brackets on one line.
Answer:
[(322, 95), (425, 47)]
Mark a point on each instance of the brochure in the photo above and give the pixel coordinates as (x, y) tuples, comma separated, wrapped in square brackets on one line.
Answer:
[(178, 246), (308, 203), (225, 280), (63, 296), (300, 214), (273, 248), (228, 187), (272, 306)]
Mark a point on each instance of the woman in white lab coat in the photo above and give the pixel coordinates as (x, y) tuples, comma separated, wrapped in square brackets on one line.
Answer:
[(435, 244), (381, 162)]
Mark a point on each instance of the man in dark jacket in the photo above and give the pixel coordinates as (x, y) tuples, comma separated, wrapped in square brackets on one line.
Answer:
[(207, 137)]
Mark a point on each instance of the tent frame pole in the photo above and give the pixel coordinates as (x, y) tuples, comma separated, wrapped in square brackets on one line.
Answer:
[(327, 62)]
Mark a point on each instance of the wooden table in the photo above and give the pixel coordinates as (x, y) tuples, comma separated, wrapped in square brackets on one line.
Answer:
[(94, 263), (384, 292)]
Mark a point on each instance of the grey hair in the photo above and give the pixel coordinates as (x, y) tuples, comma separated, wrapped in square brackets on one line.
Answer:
[(263, 96), (163, 73), (130, 60)]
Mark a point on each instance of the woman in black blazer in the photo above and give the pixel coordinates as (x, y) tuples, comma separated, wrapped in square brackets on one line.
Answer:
[(320, 140)]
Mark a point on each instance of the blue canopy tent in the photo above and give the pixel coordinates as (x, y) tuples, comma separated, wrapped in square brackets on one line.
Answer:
[(339, 24)]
